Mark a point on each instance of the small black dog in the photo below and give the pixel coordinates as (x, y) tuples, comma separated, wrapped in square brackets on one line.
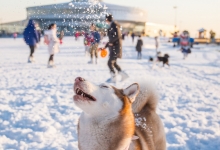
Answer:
[(164, 59)]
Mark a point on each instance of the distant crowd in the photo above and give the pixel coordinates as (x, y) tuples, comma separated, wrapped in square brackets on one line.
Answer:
[(91, 41), (92, 38)]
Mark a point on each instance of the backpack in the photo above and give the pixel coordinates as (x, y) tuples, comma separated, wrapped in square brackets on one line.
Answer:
[(97, 37)]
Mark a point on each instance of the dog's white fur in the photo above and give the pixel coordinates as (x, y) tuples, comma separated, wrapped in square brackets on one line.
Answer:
[(147, 95), (101, 108), (155, 61), (96, 129)]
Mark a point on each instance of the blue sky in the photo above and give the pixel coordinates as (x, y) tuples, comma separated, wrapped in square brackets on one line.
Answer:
[(191, 14)]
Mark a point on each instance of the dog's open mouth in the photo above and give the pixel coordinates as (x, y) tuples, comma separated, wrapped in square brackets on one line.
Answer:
[(86, 96)]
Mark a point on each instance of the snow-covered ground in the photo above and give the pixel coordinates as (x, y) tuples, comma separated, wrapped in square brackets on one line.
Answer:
[(37, 110)]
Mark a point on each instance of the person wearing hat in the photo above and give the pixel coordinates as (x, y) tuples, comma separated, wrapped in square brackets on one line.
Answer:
[(115, 49)]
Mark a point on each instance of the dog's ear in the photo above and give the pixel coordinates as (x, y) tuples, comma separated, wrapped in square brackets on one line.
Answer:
[(132, 91)]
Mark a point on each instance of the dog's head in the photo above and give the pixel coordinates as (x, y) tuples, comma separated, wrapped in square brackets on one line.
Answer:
[(159, 54), (102, 99), (166, 55)]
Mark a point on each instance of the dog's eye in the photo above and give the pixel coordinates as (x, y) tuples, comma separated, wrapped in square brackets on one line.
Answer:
[(104, 86)]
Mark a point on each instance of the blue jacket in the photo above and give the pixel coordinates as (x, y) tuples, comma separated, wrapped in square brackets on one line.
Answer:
[(30, 34), (96, 36)]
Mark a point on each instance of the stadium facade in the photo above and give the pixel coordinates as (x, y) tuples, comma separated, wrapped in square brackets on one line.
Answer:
[(78, 14)]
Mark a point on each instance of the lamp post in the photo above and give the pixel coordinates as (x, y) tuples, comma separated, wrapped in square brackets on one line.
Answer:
[(180, 25), (175, 8)]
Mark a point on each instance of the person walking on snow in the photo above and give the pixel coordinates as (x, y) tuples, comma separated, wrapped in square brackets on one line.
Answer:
[(76, 35), (185, 44), (156, 43), (53, 43), (15, 35), (132, 36), (31, 38), (95, 40), (139, 47), (115, 49)]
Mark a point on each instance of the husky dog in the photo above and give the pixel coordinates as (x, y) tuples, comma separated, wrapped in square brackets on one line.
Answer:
[(109, 118)]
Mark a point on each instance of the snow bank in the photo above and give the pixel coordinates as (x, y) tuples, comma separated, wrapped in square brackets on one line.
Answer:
[(37, 110)]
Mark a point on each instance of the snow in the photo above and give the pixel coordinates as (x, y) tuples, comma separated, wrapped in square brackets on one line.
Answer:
[(37, 110)]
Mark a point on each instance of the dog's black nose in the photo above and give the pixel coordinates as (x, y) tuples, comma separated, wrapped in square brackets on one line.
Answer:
[(79, 79)]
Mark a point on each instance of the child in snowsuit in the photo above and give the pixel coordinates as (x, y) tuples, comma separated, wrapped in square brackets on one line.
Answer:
[(95, 39)]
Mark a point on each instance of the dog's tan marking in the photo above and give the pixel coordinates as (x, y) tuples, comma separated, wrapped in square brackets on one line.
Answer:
[(127, 106), (126, 114)]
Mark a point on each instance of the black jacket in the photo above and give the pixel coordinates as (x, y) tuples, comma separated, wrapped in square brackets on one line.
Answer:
[(139, 45), (114, 34)]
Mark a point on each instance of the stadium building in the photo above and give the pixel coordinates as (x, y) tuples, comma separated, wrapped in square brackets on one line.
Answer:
[(77, 15)]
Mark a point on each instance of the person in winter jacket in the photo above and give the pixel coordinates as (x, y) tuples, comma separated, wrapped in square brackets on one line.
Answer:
[(15, 35), (185, 44), (94, 40), (139, 47), (53, 43), (156, 43), (31, 38), (76, 35), (132, 36), (115, 48)]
